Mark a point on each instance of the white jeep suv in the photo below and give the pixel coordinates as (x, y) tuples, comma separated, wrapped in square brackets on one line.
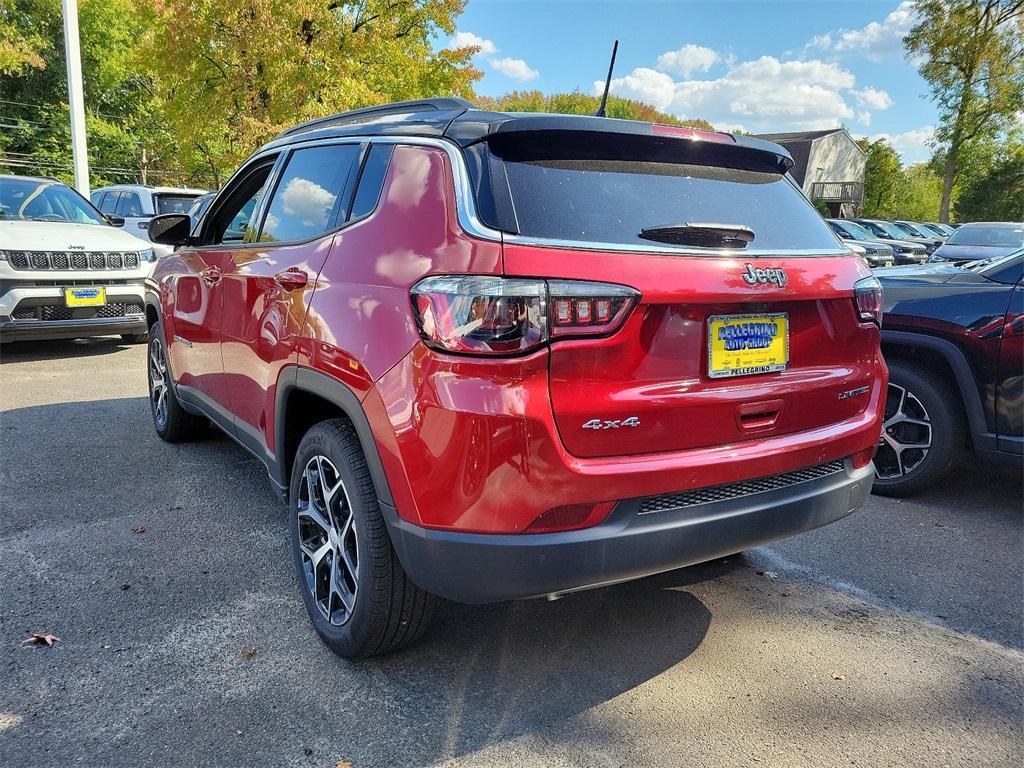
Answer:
[(65, 271), (137, 204)]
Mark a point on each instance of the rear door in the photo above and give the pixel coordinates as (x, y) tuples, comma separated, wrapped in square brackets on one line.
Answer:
[(268, 283), (130, 208), (1010, 377), (731, 340)]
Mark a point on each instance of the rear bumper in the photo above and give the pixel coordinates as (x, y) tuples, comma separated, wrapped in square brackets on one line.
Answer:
[(485, 568)]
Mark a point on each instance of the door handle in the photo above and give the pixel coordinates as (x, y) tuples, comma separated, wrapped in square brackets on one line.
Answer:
[(211, 274), (291, 279)]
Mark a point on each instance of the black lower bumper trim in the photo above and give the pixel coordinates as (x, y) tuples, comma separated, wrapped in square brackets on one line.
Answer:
[(487, 568)]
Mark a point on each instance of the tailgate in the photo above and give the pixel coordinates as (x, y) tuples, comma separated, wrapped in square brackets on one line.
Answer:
[(648, 388)]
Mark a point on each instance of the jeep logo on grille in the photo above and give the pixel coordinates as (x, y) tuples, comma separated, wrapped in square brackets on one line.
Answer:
[(776, 275)]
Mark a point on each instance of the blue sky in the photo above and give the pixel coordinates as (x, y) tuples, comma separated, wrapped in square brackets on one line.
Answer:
[(760, 66)]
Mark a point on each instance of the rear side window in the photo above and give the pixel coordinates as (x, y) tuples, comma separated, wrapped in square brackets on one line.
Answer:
[(309, 195), (371, 180), (561, 193), (130, 204), (174, 203), (109, 201)]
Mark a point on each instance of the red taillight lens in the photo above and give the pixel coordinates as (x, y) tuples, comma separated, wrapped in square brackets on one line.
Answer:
[(867, 295), (502, 316), (660, 129), (588, 309)]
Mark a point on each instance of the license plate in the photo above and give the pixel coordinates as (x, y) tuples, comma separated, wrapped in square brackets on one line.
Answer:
[(741, 345), (85, 297)]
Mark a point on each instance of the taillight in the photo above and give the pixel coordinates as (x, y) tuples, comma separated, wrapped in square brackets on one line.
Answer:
[(503, 316), (867, 296)]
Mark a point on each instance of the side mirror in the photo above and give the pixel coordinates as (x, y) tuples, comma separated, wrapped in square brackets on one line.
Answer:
[(171, 229), (115, 221)]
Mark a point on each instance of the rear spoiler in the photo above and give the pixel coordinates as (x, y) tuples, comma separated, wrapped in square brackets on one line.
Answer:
[(553, 136)]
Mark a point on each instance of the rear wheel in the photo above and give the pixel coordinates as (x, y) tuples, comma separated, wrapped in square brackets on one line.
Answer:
[(922, 432), (356, 594), (172, 422)]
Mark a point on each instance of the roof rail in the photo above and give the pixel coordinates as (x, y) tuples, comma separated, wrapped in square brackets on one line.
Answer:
[(398, 107)]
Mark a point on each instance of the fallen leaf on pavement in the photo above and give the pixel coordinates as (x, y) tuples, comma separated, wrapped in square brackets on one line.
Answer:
[(343, 764), (139, 529), (838, 676), (249, 653), (38, 638), (768, 574)]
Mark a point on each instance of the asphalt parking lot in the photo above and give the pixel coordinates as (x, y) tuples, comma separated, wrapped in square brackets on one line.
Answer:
[(895, 637)]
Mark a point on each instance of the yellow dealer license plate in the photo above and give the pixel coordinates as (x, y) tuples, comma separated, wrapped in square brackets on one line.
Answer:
[(740, 345), (85, 297)]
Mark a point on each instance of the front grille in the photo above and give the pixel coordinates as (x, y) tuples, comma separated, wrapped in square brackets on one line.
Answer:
[(59, 312), (72, 260), (715, 493)]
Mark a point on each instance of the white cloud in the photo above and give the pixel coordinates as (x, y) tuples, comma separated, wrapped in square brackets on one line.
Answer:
[(307, 200), (913, 146), (875, 41), (687, 60), (872, 98), (468, 39), (517, 69), (763, 95), (643, 84)]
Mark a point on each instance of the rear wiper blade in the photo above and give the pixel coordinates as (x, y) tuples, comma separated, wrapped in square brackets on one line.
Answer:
[(701, 235)]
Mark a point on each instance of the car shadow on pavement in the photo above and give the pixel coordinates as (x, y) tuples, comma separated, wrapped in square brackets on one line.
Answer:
[(486, 674), (38, 351)]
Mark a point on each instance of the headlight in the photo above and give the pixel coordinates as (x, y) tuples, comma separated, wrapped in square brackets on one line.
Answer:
[(148, 255)]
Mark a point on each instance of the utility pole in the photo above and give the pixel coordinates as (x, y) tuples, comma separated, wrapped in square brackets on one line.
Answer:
[(73, 58)]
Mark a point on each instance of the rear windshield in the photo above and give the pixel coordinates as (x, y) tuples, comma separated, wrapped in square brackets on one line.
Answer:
[(611, 201), (174, 203), (1001, 237)]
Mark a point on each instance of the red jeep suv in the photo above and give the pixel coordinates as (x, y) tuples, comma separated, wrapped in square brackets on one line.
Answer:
[(490, 356)]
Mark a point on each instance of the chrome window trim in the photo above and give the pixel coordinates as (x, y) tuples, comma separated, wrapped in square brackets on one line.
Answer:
[(469, 220)]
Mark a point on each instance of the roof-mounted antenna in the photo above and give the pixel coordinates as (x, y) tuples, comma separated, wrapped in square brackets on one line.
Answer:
[(608, 82)]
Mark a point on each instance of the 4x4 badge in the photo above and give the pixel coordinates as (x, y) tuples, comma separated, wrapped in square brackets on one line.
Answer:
[(776, 275), (632, 421)]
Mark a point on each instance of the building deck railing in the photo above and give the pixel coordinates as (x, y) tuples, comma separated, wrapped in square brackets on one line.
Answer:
[(838, 191)]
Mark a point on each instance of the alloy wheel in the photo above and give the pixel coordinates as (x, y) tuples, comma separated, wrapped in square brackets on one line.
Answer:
[(327, 540), (158, 381), (906, 434)]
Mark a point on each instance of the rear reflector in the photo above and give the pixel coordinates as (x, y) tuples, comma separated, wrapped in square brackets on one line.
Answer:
[(570, 518), (862, 458)]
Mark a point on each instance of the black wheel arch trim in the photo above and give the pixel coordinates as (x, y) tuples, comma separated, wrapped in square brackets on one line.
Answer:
[(295, 378), (962, 373)]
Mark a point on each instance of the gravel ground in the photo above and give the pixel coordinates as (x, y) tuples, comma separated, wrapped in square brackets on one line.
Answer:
[(891, 638)]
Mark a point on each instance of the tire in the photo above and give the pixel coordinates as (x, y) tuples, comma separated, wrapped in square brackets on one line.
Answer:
[(134, 338), (172, 422), (923, 415), (356, 594)]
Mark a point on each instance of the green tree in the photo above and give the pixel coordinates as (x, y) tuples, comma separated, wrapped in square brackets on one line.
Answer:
[(919, 194), (998, 194), (577, 103), (21, 47), (120, 104), (245, 69), (882, 179), (972, 56)]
